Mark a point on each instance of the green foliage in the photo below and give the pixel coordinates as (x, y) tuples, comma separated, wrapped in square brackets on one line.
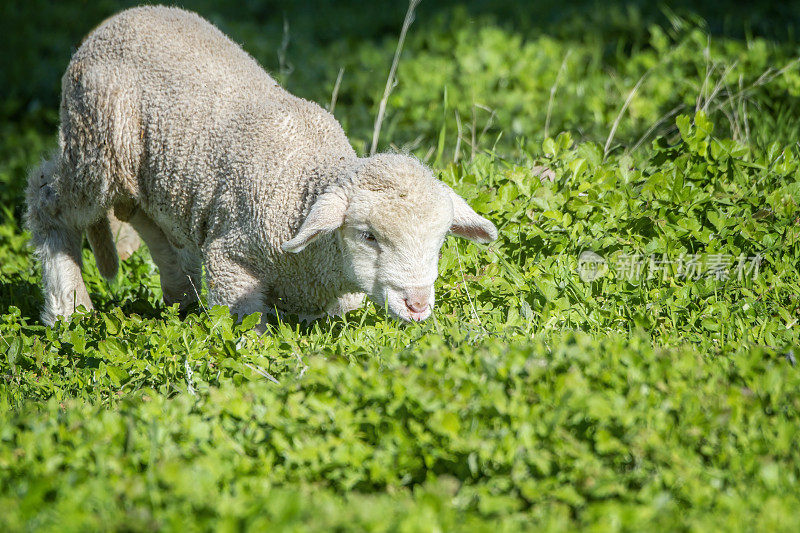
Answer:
[(565, 433), (656, 395)]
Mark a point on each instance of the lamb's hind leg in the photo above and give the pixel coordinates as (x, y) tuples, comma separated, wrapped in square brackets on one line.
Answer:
[(59, 252), (57, 243), (176, 285)]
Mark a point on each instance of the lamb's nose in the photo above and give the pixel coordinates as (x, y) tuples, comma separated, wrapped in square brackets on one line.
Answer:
[(417, 305), (417, 300)]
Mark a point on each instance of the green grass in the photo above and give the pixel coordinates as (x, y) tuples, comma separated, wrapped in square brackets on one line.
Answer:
[(534, 399)]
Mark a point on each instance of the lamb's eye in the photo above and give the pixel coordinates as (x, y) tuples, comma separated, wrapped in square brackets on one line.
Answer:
[(367, 236)]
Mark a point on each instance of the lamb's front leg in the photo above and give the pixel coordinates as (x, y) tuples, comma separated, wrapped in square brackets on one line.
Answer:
[(233, 285)]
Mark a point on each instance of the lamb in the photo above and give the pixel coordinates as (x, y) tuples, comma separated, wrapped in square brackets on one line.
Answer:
[(170, 127)]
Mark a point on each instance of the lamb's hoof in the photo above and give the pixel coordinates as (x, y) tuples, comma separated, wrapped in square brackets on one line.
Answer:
[(185, 298)]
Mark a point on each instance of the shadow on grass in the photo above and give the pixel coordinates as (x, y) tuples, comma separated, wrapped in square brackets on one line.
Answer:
[(26, 295), (17, 291), (140, 303)]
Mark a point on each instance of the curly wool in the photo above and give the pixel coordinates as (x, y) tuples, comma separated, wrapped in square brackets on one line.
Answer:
[(163, 111), (168, 125)]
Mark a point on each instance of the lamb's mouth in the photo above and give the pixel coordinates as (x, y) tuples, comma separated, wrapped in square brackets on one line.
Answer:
[(397, 308), (419, 317), (410, 316)]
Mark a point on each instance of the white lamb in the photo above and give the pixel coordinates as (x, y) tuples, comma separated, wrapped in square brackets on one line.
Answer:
[(170, 126)]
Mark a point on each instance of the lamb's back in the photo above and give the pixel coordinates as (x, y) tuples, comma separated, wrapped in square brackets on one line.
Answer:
[(197, 121), (166, 48)]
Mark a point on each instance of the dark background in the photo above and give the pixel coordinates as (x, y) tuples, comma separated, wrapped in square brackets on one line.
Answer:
[(38, 36)]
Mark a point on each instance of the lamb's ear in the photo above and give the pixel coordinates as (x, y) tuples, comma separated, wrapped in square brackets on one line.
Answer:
[(325, 216), (469, 224)]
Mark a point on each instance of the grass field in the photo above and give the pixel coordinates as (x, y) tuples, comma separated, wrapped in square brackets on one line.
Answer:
[(622, 358)]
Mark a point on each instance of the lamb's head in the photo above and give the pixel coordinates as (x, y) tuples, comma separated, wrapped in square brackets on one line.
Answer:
[(390, 219)]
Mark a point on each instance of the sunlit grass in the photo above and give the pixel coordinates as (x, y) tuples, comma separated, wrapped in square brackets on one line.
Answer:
[(534, 397)]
